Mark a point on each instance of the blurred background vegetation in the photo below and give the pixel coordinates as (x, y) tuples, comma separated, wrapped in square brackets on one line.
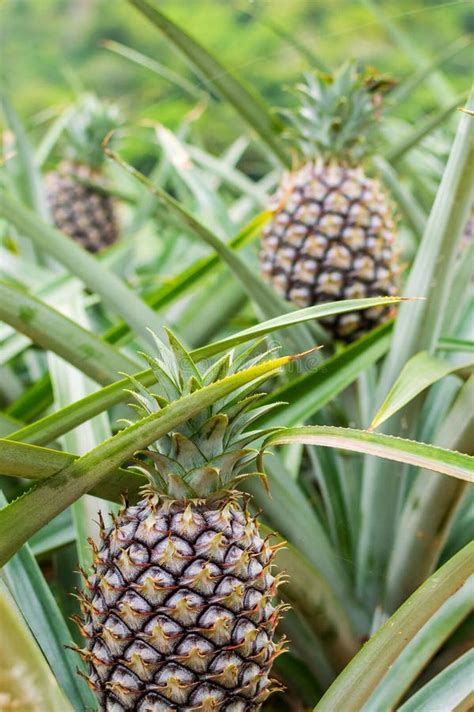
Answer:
[(53, 49)]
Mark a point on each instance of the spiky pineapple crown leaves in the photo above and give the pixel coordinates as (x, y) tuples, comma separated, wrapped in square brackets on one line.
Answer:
[(208, 454), (90, 123), (337, 114)]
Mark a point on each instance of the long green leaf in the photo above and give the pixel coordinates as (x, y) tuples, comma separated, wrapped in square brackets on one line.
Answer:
[(360, 678), (69, 385), (405, 88), (23, 517), (48, 328), (417, 328), (437, 459), (294, 317), (39, 397), (261, 293), (26, 678), (306, 532), (32, 594), (39, 463), (111, 288), (430, 508), (181, 283), (447, 690), (420, 650), (397, 152), (156, 67), (55, 535), (411, 48), (307, 393), (420, 372), (30, 185), (405, 200), (52, 426), (336, 373), (220, 79)]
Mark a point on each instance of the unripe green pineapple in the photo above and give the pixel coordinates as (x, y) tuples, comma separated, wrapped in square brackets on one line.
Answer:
[(179, 611), (76, 190), (332, 233)]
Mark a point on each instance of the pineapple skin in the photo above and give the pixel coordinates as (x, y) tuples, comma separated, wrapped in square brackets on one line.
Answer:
[(85, 214), (331, 238), (178, 611)]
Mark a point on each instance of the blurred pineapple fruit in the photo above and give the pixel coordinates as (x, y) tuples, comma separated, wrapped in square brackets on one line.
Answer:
[(332, 233), (76, 191)]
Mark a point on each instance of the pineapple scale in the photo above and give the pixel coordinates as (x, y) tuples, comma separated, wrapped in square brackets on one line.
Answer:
[(332, 237), (178, 613)]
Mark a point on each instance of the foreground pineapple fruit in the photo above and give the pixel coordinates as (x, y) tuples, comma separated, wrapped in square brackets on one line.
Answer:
[(76, 191), (178, 613), (332, 233)]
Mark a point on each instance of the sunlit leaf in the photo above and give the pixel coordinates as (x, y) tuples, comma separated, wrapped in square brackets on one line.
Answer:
[(450, 463)]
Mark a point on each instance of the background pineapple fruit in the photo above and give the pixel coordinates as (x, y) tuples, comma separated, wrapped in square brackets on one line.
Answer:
[(76, 190), (332, 233), (179, 614)]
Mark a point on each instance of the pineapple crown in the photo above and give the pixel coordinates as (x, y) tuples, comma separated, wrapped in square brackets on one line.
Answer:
[(90, 122), (337, 113), (209, 453)]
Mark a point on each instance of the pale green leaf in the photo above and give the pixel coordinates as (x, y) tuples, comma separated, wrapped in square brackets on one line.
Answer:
[(417, 328), (308, 592), (270, 304), (156, 67), (295, 317), (420, 372), (111, 288), (403, 673), (48, 328), (454, 464), (39, 463), (447, 690), (357, 682)]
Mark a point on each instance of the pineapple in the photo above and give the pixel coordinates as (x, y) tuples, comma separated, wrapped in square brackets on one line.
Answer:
[(76, 191), (332, 231), (178, 611)]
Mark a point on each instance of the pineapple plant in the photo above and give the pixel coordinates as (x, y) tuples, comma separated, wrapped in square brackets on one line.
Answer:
[(332, 232), (375, 535), (178, 611), (76, 190)]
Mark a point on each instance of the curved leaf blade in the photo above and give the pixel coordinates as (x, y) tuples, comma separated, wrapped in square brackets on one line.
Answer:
[(111, 288), (437, 459), (420, 372), (38, 463), (420, 650), (307, 591), (55, 332), (294, 317), (447, 690), (360, 678)]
